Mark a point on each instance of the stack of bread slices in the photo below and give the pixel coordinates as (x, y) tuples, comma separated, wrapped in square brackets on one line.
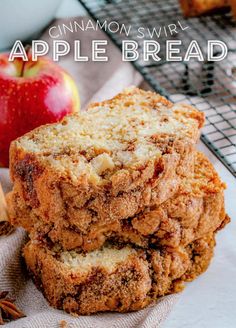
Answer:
[(120, 207)]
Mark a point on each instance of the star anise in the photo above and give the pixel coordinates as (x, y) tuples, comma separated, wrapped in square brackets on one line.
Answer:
[(8, 310)]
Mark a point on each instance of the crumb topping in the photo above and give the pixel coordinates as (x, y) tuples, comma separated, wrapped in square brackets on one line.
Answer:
[(124, 132)]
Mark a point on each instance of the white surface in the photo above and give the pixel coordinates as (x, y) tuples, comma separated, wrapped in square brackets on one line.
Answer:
[(210, 301)]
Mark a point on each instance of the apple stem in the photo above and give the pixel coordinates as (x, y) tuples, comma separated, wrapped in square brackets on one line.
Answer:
[(27, 50)]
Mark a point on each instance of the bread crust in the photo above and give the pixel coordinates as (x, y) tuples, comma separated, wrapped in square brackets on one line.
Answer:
[(196, 209), (133, 284), (193, 8), (53, 195), (52, 198)]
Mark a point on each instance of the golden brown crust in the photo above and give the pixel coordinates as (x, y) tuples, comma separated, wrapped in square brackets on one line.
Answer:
[(62, 203), (131, 285), (197, 209), (53, 195), (199, 7)]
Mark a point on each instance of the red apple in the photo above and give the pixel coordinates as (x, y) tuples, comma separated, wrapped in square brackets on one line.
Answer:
[(32, 93)]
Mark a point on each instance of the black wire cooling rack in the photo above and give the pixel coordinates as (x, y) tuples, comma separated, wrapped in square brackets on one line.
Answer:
[(210, 86)]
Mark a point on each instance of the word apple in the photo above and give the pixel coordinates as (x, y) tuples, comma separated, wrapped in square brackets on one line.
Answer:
[(32, 93)]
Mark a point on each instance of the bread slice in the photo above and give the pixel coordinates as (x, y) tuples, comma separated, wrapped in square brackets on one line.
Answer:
[(199, 7), (114, 279), (196, 209), (111, 161)]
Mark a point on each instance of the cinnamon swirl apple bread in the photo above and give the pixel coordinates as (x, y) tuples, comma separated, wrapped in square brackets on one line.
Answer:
[(107, 163), (120, 207)]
